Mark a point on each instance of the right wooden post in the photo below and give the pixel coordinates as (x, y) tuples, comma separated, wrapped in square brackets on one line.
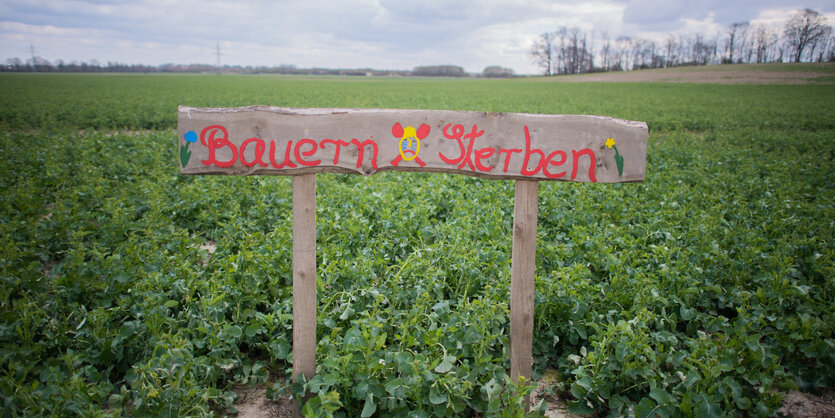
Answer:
[(523, 262)]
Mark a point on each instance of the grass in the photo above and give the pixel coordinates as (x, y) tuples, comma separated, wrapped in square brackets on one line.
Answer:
[(707, 289)]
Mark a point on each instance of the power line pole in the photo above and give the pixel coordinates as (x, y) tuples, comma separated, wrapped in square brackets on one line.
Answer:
[(218, 56), (32, 53)]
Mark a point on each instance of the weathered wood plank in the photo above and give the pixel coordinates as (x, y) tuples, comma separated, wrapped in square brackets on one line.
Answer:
[(523, 263), (304, 275), (286, 141)]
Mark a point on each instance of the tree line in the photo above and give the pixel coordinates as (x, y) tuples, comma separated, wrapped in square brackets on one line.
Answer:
[(805, 37), (39, 64)]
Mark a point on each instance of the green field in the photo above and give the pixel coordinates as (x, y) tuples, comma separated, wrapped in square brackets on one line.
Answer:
[(707, 290)]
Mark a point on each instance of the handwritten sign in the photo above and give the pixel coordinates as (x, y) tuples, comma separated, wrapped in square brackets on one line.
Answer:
[(303, 142), (287, 141)]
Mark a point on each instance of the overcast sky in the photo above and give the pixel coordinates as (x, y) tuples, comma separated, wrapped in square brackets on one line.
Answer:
[(380, 34)]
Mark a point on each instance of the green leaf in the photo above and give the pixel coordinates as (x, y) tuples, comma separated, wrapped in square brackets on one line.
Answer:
[(708, 409), (446, 365), (393, 385), (691, 378), (585, 382), (617, 402), (280, 349), (661, 396), (733, 385), (686, 313), (127, 330), (253, 330), (645, 408), (436, 396), (226, 363), (578, 391), (347, 312), (369, 408), (234, 331), (492, 389), (362, 389), (312, 407), (581, 387), (621, 351), (742, 403), (580, 407)]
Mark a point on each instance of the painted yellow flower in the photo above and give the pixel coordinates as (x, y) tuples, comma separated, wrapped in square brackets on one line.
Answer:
[(610, 142)]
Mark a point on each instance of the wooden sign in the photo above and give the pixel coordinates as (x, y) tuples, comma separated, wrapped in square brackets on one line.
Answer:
[(285, 141), (303, 142)]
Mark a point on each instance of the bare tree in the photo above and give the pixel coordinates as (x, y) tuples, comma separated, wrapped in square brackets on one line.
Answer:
[(819, 45), (561, 51), (733, 30), (542, 52), (572, 58), (828, 50), (588, 49), (623, 45), (40, 64), (742, 42), (605, 50), (570, 54), (803, 29), (670, 58), (701, 49), (763, 43), (577, 58), (14, 64)]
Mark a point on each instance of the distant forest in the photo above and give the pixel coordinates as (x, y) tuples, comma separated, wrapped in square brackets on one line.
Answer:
[(41, 65)]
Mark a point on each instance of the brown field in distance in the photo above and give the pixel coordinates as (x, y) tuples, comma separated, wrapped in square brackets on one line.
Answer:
[(814, 73)]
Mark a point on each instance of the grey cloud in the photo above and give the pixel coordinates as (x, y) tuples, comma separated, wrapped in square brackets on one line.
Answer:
[(663, 15)]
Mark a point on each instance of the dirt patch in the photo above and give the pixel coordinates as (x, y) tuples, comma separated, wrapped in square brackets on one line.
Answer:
[(795, 403), (557, 407), (253, 403), (209, 247), (49, 266), (726, 74), (801, 404)]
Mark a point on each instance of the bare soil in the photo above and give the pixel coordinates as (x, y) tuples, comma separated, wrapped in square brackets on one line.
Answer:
[(799, 404), (253, 403), (557, 407), (210, 247), (718, 74)]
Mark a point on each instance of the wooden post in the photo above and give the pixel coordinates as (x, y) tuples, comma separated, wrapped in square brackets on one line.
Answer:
[(304, 275), (523, 262)]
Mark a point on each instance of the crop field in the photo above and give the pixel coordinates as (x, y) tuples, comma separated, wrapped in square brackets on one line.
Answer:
[(127, 289)]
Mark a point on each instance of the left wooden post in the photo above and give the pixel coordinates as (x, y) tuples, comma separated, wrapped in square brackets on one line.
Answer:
[(304, 275)]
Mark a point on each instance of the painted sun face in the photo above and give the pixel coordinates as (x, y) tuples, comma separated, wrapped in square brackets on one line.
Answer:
[(410, 137), (409, 144)]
